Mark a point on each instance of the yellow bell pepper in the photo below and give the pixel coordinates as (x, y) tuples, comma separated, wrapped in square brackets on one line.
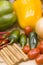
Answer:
[(28, 12)]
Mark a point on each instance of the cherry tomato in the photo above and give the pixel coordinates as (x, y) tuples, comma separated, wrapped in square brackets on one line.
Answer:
[(41, 41), (26, 49), (28, 30), (39, 59), (40, 46), (33, 53)]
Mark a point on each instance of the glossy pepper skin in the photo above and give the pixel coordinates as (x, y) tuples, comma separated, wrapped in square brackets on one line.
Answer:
[(7, 17), (28, 12), (14, 36), (33, 40), (23, 40)]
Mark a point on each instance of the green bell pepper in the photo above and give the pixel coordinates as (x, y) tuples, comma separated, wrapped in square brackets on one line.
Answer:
[(7, 16)]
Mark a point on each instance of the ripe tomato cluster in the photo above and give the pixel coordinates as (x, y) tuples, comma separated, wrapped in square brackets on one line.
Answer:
[(36, 53)]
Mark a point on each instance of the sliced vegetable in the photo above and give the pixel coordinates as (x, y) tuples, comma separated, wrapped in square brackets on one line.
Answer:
[(28, 30), (23, 40), (33, 53), (14, 36), (33, 40), (26, 49), (39, 59)]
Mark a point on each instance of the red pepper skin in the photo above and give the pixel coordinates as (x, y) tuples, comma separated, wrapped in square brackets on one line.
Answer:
[(0, 47), (1, 33), (2, 37), (5, 42)]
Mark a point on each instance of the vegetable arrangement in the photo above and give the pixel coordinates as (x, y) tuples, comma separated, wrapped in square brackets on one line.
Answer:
[(33, 49), (29, 18)]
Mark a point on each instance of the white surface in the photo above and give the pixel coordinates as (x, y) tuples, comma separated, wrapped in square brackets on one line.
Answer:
[(32, 62)]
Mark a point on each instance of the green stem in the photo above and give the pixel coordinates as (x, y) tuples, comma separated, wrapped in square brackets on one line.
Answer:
[(11, 41)]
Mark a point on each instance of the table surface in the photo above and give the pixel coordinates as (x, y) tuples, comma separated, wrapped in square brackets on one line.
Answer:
[(30, 62)]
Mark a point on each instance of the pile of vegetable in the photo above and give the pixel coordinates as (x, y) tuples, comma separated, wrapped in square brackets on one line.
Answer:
[(28, 14), (33, 47)]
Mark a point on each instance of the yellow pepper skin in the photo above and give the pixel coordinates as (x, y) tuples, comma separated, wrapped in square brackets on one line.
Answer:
[(28, 12)]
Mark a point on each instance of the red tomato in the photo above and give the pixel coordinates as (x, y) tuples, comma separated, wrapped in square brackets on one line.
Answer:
[(39, 59), (33, 53), (41, 41), (28, 30), (26, 49), (40, 46)]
